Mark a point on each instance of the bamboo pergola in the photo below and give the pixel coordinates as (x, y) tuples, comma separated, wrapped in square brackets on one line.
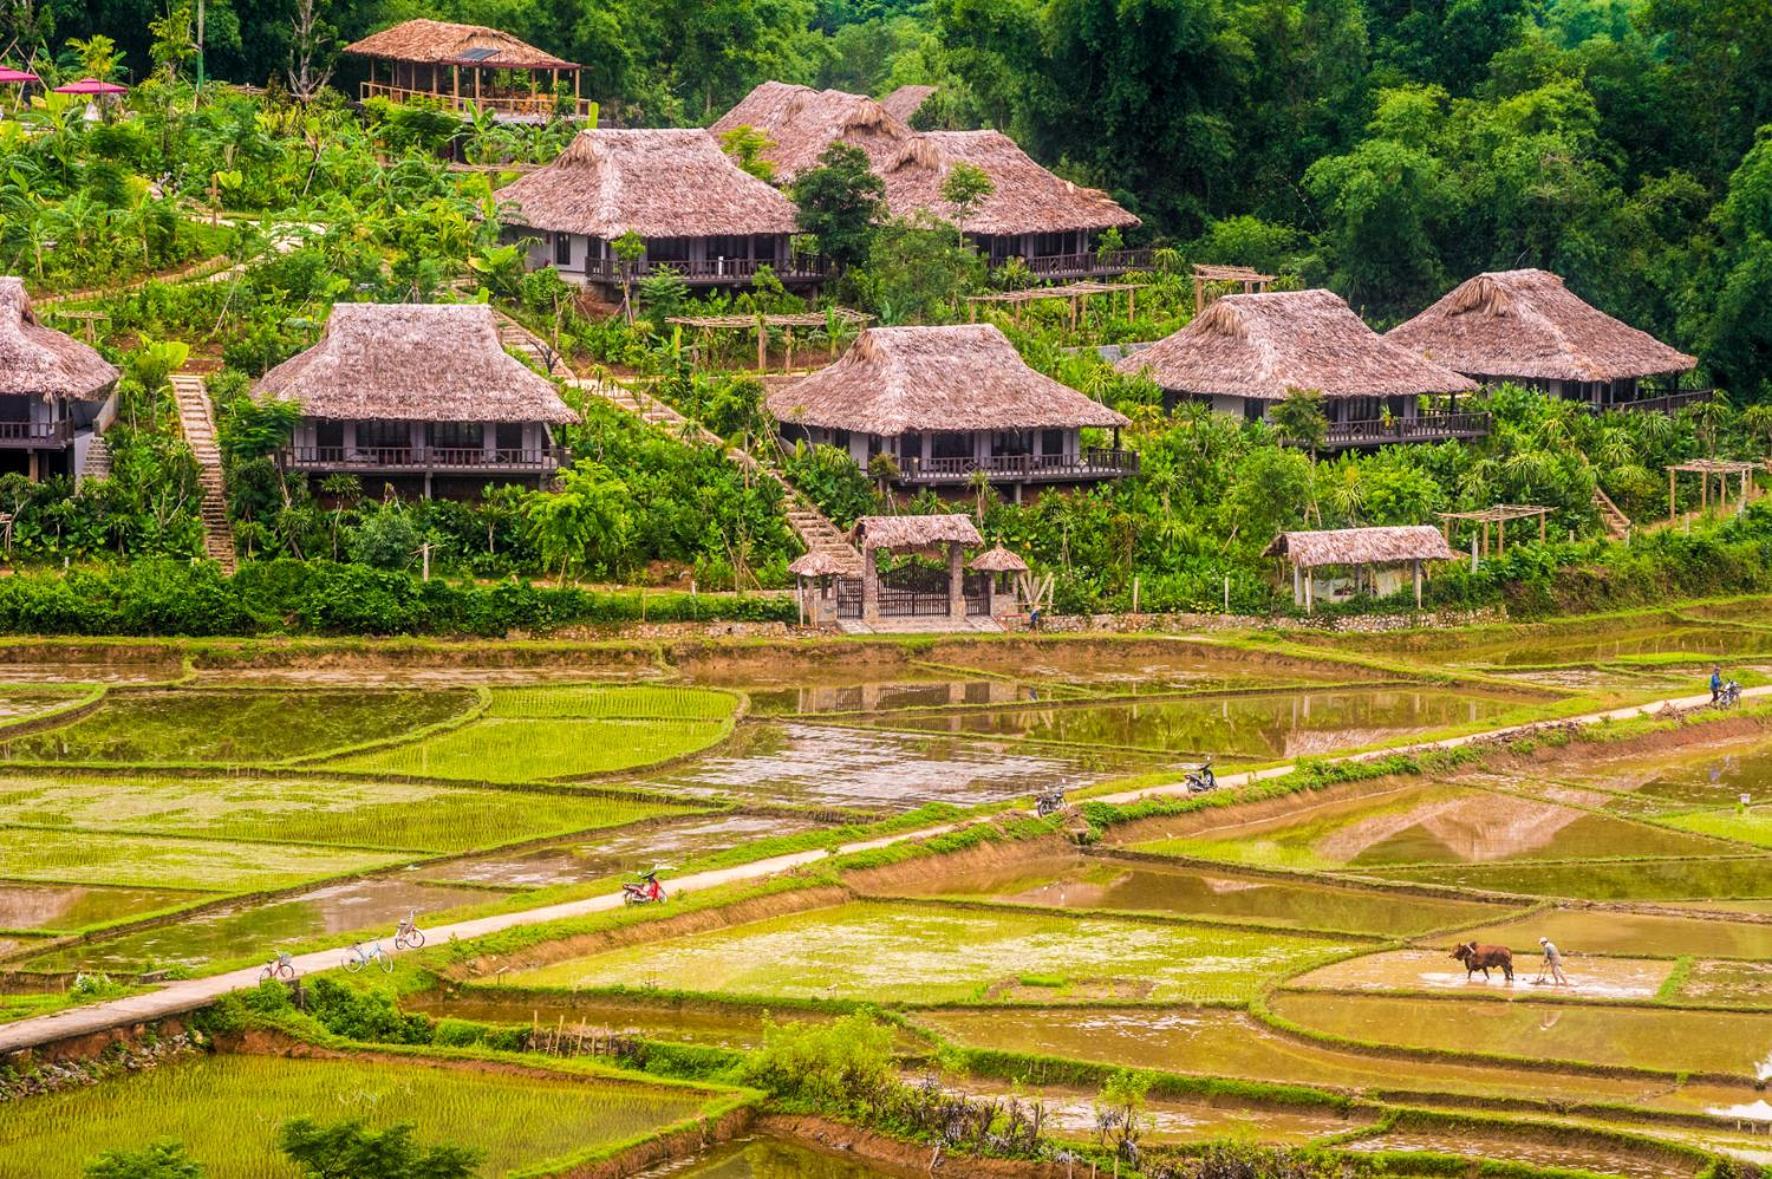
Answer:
[(1252, 281), (1498, 515), (1076, 292), (761, 324), (1706, 470)]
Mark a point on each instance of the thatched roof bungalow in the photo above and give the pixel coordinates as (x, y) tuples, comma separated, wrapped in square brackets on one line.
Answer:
[(1525, 326), (417, 391), (700, 213), (1245, 353), (56, 394), (1046, 221), (1374, 557), (946, 403), (457, 64)]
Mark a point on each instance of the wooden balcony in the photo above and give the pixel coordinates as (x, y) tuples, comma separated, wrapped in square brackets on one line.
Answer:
[(440, 460), (527, 106), (1431, 427), (1083, 265), (36, 435), (1667, 403), (1091, 463), (710, 271)]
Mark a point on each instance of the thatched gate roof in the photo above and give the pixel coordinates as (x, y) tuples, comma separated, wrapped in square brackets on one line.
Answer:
[(1361, 546), (1265, 346), (438, 42), (656, 183), (36, 361), (965, 377), (915, 532), (1527, 324), (427, 362)]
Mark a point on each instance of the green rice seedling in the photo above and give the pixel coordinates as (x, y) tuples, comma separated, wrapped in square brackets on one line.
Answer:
[(227, 1110), (143, 861), (634, 702), (523, 750)]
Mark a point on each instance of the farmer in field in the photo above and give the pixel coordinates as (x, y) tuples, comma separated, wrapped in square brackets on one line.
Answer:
[(1553, 962), (1716, 683)]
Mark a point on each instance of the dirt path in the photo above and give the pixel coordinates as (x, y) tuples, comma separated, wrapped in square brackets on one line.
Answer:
[(187, 995)]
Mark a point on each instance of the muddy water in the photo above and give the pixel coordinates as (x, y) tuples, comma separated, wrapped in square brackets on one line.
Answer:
[(70, 668), (71, 907), (1709, 1041), (837, 766), (778, 1158), (1231, 1044), (1512, 1148), (1257, 725), (1436, 970), (1579, 932), (1091, 882), (242, 930), (1743, 984), (890, 696), (1584, 645), (611, 852), (1644, 880), (1416, 824)]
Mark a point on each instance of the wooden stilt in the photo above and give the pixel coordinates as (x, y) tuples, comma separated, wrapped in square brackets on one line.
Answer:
[(1670, 495)]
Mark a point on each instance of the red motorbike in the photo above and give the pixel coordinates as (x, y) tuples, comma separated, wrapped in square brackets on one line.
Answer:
[(645, 892)]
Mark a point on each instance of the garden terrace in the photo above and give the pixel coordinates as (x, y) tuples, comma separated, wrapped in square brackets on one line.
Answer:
[(56, 394), (418, 390), (700, 214), (1031, 214), (1376, 556), (1526, 327), (1245, 353), (951, 404), (425, 59)]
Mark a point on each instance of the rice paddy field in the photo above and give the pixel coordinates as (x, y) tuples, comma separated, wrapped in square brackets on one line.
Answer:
[(1278, 963)]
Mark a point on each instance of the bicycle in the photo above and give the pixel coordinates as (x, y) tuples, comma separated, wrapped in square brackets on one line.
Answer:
[(282, 966), (407, 935), (358, 958)]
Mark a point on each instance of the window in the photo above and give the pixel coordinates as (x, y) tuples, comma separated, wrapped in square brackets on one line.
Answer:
[(1047, 245), (727, 246), (1052, 442), (951, 446), (562, 249), (1254, 409), (840, 439), (454, 435), (15, 408), (508, 436), (329, 434), (384, 435), (764, 246), (667, 249)]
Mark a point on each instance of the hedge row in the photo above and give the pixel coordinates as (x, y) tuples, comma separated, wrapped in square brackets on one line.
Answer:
[(165, 597)]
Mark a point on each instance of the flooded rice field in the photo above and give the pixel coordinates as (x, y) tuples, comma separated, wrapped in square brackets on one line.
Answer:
[(1501, 1147), (1103, 882), (1436, 971), (52, 908), (778, 1158), (1606, 932), (1673, 879)]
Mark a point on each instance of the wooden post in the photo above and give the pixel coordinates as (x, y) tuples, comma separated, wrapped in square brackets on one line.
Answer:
[(1501, 537), (789, 365), (476, 85), (1309, 587), (1542, 516), (455, 84), (1199, 293), (1297, 586), (762, 347), (971, 311), (1670, 494), (1703, 492), (577, 99), (1131, 303)]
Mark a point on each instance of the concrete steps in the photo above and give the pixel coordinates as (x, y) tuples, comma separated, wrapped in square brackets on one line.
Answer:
[(198, 428), (98, 459)]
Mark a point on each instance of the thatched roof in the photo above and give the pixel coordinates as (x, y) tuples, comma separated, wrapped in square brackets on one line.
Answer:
[(803, 122), (656, 183), (998, 559), (819, 564), (36, 361), (965, 377), (428, 362), (904, 102), (1361, 546), (1265, 346), (1527, 324), (438, 42), (1026, 198), (914, 532)]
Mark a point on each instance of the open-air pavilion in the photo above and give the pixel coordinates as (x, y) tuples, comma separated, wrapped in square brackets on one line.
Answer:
[(1077, 292), (763, 325), (1722, 470), (1374, 560), (1210, 281), (1499, 515), (460, 65)]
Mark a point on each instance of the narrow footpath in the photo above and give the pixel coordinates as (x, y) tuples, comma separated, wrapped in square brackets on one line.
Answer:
[(186, 995)]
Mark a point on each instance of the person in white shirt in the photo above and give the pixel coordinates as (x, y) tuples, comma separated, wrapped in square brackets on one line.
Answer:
[(1553, 962)]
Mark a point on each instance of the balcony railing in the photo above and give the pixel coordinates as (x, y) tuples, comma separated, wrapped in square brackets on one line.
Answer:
[(530, 105), (1429, 427), (1079, 265), (1090, 463), (24, 435), (423, 458), (710, 270), (1668, 403)]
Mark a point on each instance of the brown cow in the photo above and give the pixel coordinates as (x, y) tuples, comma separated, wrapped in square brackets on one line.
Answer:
[(1478, 957)]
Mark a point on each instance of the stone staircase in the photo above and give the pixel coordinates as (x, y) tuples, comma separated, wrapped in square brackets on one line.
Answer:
[(98, 459), (515, 336), (1617, 523), (199, 431)]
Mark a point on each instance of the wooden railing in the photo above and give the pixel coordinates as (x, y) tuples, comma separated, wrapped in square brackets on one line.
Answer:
[(710, 270), (538, 105), (1431, 427), (426, 458), (1091, 463), (1075, 265), (27, 434), (1668, 403)]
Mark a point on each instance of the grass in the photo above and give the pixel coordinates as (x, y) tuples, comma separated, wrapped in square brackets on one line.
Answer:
[(227, 1111), (360, 814), (236, 727), (161, 862), (527, 750), (634, 702), (1743, 824)]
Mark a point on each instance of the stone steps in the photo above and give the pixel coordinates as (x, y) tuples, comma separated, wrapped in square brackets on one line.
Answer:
[(199, 430)]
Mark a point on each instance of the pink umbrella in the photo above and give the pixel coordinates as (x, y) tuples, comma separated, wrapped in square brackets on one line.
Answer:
[(91, 86), (8, 74)]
